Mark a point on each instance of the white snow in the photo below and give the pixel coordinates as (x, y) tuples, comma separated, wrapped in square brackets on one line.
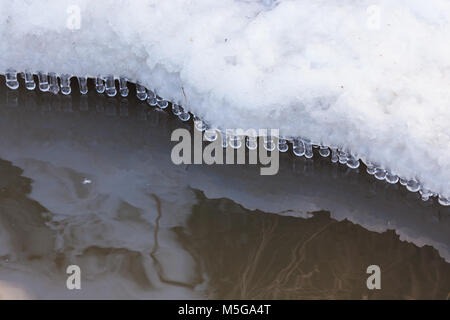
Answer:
[(330, 71)]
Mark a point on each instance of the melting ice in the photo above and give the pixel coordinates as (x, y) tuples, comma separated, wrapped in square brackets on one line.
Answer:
[(370, 77)]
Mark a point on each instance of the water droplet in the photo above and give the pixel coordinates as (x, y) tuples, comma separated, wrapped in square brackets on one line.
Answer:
[(251, 143), (110, 87), (141, 92), (53, 83), (11, 79), (282, 145), (99, 85), (334, 155), (413, 185), (211, 135), (152, 101), (298, 148), (43, 82), (176, 109), (391, 178), (371, 169), (269, 143), (444, 201), (162, 103), (324, 151), (29, 80), (425, 194), (82, 83), (352, 162), (199, 125), (123, 87), (343, 157), (65, 84), (380, 174), (308, 150), (235, 141), (184, 116)]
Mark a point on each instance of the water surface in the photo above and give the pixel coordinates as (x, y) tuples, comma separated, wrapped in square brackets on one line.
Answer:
[(89, 181)]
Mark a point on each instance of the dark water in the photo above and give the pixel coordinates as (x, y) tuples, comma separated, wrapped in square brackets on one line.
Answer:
[(88, 181)]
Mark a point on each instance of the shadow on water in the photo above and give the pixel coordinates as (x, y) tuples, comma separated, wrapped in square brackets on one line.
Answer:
[(96, 187)]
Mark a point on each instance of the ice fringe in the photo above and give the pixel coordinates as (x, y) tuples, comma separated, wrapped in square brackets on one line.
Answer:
[(55, 83)]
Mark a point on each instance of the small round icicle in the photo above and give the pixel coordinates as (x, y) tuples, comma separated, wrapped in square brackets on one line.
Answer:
[(425, 194), (162, 103), (235, 141), (151, 98), (176, 109), (66, 89), (324, 151), (82, 83), (184, 116), (391, 178), (298, 148), (380, 174), (199, 124), (371, 169), (413, 185), (269, 143), (141, 92), (352, 161), (334, 155), (151, 94), (29, 80), (110, 87), (99, 84), (444, 200), (123, 87), (343, 157), (43, 81), (53, 83), (282, 145), (308, 150), (224, 139), (251, 142), (152, 101), (211, 135), (11, 79)]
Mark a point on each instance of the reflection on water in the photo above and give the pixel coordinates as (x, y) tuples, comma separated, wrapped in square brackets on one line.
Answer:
[(89, 181), (117, 251), (253, 255)]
